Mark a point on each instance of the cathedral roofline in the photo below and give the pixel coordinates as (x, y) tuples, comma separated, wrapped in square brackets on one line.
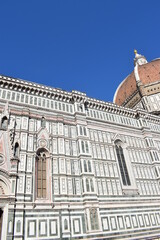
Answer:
[(74, 96), (58, 94)]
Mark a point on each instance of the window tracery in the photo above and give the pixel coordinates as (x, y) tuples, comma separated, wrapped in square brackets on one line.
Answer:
[(122, 164), (41, 174)]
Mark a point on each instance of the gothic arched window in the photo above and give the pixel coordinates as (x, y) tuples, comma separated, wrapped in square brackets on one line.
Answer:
[(41, 174), (122, 164), (65, 224)]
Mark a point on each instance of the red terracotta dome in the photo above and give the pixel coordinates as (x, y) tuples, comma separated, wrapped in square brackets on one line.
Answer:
[(147, 73)]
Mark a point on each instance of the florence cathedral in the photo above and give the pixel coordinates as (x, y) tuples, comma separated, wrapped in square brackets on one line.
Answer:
[(74, 167)]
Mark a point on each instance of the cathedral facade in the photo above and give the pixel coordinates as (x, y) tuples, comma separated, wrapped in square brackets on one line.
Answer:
[(73, 167)]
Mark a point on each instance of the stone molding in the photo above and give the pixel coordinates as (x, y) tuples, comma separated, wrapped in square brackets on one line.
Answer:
[(74, 96)]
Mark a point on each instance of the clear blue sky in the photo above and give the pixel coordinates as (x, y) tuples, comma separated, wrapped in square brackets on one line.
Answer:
[(83, 45)]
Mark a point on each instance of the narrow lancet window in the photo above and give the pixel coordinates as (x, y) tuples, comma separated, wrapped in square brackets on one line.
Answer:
[(87, 185), (18, 226), (87, 149), (65, 224), (85, 166), (122, 165), (41, 175), (89, 166), (82, 144)]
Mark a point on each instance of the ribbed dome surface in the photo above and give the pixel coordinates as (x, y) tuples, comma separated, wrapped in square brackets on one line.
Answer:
[(148, 73)]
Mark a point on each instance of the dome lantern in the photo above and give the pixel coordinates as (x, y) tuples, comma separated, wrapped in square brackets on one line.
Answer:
[(139, 59)]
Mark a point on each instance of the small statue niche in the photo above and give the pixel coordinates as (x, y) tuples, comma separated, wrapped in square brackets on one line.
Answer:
[(16, 150), (43, 122), (4, 123)]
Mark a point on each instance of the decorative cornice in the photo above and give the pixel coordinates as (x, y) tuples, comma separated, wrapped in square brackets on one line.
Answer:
[(71, 97), (109, 107), (35, 89), (78, 96)]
